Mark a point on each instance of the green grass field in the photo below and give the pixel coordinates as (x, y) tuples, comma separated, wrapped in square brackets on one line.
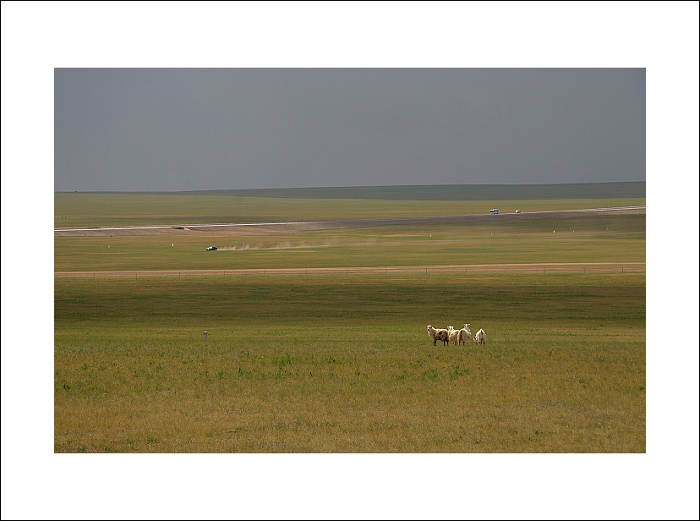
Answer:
[(583, 239), (480, 192), (246, 206), (342, 362)]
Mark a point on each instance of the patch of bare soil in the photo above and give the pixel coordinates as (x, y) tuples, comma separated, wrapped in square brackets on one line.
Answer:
[(223, 230), (544, 268)]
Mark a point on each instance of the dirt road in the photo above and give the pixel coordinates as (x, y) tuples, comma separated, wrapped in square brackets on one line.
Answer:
[(254, 229), (543, 268)]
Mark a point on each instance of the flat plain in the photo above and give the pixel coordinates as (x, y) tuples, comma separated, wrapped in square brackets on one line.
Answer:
[(340, 361)]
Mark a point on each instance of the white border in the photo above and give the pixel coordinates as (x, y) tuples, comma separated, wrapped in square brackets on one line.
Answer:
[(662, 37)]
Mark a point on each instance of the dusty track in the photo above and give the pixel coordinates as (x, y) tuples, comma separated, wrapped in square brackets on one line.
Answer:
[(252, 229), (543, 268)]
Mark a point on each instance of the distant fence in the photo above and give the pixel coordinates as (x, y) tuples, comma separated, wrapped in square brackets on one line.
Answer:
[(631, 267)]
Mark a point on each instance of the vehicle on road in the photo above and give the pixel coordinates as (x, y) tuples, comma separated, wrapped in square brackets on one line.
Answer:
[(212, 248)]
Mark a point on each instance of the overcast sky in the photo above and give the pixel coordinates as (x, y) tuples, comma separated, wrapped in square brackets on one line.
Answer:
[(207, 129)]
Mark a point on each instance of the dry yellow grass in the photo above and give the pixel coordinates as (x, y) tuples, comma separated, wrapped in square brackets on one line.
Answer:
[(344, 364)]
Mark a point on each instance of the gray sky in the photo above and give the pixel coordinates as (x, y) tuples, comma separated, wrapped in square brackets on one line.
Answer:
[(207, 129)]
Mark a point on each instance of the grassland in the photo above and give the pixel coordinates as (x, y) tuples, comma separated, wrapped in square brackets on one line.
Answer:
[(138, 209), (107, 210), (480, 192), (342, 362), (583, 239)]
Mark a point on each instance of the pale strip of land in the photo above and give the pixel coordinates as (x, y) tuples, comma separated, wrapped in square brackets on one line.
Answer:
[(296, 226), (549, 267)]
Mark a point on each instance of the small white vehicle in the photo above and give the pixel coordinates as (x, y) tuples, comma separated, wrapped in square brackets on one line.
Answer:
[(517, 211), (494, 211), (210, 248)]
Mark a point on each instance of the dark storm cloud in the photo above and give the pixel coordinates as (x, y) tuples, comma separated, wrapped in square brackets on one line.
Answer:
[(199, 129)]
